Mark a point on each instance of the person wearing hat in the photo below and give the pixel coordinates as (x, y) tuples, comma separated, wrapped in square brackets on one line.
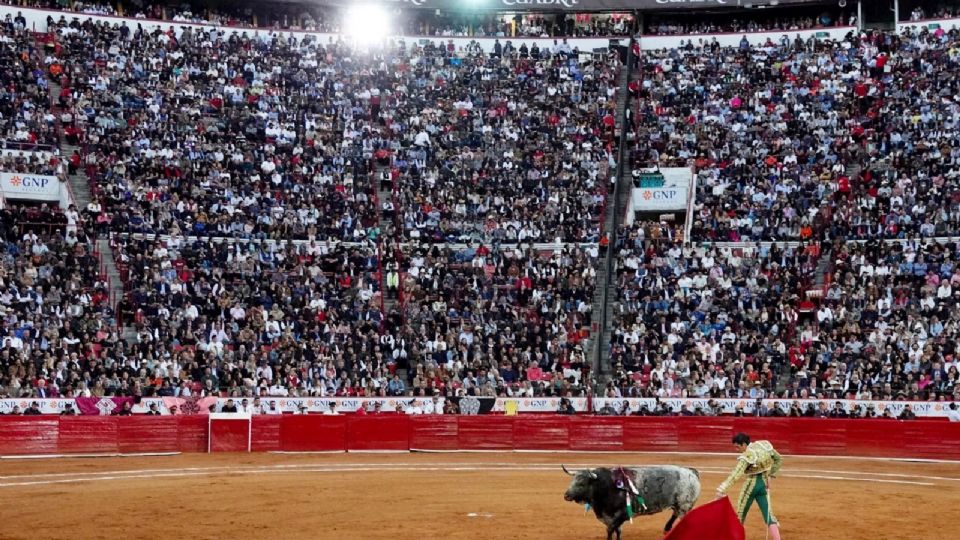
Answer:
[(758, 462)]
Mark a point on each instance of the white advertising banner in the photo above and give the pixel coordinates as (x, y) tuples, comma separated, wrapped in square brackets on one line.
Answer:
[(32, 187), (282, 405), (661, 198), (671, 196), (539, 405), (46, 406), (929, 409), (314, 405), (396, 404)]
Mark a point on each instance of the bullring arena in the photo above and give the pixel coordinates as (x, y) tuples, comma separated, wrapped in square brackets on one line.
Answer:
[(370, 493), (457, 496), (376, 269)]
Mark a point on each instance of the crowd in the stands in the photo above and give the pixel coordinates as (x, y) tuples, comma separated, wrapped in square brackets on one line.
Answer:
[(293, 217), (58, 323), (26, 122), (810, 139)]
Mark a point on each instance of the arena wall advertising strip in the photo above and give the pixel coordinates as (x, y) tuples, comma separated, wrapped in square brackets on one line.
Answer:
[(282, 405), (523, 406), (44, 435)]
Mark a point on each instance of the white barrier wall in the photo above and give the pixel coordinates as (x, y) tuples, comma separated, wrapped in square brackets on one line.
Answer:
[(649, 43), (37, 20), (946, 24)]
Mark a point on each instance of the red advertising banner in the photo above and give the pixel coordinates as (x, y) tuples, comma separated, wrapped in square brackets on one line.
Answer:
[(44, 435), (104, 406)]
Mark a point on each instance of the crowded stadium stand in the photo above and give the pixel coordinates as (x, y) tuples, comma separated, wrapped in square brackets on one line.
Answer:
[(605, 209)]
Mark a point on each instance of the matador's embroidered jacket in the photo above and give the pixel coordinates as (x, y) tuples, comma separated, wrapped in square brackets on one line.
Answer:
[(759, 458)]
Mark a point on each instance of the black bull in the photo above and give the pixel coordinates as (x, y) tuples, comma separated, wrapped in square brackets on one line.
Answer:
[(660, 488)]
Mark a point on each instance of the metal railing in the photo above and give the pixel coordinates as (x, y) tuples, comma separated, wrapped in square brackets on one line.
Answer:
[(22, 146)]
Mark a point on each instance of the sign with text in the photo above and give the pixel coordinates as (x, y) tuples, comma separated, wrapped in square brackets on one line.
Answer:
[(668, 193), (287, 405), (662, 198), (31, 187)]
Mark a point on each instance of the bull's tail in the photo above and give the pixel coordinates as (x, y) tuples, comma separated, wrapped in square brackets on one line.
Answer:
[(695, 472)]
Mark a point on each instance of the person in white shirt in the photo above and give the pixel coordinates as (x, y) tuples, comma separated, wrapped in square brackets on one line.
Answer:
[(953, 414), (414, 408), (332, 411), (433, 406), (271, 408), (278, 390)]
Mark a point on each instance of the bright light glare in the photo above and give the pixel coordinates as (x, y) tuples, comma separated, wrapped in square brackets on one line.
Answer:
[(367, 24)]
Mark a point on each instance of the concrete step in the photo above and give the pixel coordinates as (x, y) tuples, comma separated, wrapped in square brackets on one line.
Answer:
[(129, 334), (113, 277)]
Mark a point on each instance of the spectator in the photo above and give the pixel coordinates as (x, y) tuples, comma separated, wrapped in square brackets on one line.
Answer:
[(953, 414), (414, 408), (229, 407), (907, 413), (33, 409)]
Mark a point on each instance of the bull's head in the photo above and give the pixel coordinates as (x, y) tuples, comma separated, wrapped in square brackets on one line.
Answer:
[(581, 487)]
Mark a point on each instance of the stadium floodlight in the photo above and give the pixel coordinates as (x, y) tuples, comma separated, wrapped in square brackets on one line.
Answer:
[(367, 24)]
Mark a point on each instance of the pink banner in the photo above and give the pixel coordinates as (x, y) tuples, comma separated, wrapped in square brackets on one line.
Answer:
[(190, 405), (104, 406)]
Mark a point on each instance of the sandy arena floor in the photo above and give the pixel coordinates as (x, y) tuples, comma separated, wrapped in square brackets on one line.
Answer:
[(449, 496)]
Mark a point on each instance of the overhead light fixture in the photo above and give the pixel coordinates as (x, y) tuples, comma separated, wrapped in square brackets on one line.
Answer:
[(366, 24)]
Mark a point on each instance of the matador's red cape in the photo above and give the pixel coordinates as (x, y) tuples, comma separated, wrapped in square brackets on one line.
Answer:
[(713, 521)]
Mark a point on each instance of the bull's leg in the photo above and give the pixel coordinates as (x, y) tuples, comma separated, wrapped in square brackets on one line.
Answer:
[(614, 527), (669, 524)]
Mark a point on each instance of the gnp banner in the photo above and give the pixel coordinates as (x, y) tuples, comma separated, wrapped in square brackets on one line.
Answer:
[(31, 187)]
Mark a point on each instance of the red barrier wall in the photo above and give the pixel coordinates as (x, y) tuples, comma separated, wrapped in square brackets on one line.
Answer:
[(315, 433)]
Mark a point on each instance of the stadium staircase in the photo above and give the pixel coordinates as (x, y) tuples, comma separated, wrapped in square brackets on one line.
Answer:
[(81, 196), (78, 183), (605, 294), (387, 233)]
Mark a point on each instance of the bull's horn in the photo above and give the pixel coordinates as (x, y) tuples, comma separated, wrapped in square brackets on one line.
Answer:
[(593, 475), (564, 467)]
